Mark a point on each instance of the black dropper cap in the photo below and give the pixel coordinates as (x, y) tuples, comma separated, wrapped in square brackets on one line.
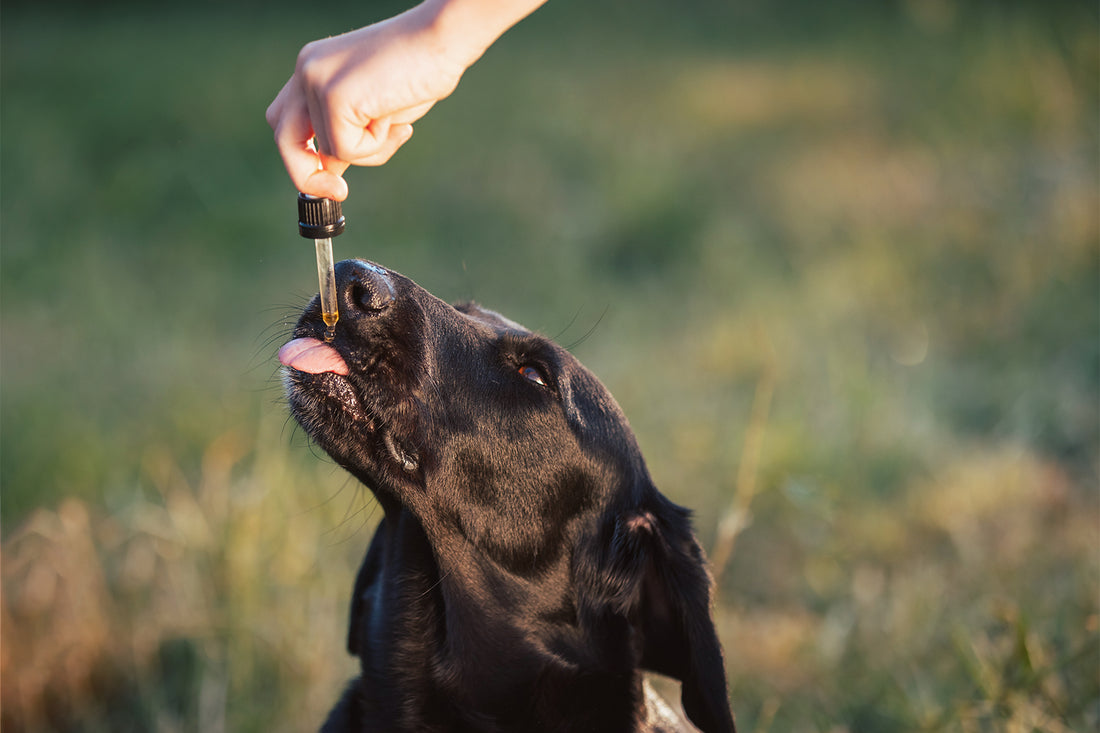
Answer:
[(319, 218)]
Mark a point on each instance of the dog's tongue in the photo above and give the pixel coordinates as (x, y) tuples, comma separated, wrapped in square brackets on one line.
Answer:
[(312, 356)]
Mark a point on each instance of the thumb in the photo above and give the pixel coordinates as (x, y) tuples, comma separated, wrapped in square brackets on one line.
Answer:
[(335, 166), (325, 184)]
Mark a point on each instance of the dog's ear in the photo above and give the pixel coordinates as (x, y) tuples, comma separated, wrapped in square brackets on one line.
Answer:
[(368, 572), (645, 567)]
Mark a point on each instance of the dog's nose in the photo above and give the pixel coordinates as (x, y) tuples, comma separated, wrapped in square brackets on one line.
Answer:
[(366, 287)]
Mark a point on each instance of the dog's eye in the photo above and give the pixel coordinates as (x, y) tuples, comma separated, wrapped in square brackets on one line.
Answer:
[(532, 374)]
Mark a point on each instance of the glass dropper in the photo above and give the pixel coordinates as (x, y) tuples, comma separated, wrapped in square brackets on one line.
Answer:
[(321, 219)]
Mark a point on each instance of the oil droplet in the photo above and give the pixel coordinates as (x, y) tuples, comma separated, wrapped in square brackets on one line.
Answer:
[(330, 325)]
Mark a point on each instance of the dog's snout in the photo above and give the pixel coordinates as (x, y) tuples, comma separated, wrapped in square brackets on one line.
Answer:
[(367, 287)]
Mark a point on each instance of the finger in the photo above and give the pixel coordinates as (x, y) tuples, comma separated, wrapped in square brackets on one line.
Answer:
[(322, 135), (333, 165), (274, 109), (398, 136), (411, 114), (308, 176), (342, 132), (376, 140), (352, 140), (293, 133), (325, 184), (289, 117)]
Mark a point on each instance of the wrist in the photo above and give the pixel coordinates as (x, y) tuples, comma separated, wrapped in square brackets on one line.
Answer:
[(464, 29)]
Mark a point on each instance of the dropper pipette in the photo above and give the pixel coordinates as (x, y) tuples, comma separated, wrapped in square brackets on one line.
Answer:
[(321, 219)]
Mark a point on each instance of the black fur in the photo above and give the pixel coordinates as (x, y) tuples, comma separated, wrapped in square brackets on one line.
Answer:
[(526, 569)]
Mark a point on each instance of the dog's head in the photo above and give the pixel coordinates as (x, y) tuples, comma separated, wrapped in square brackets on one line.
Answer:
[(457, 413), (487, 431)]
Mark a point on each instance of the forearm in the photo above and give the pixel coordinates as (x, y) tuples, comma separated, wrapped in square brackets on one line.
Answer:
[(469, 27)]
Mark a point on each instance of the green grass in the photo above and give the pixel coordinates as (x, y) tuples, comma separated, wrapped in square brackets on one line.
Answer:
[(841, 269)]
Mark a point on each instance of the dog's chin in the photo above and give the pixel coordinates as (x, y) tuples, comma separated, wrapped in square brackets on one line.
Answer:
[(335, 407), (357, 435)]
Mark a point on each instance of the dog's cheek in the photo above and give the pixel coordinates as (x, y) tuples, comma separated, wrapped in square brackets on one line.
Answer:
[(517, 516)]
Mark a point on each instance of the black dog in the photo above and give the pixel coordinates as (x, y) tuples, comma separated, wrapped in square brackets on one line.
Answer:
[(526, 570)]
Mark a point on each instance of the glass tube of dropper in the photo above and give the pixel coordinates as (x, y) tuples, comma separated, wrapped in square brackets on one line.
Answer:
[(321, 219), (326, 277)]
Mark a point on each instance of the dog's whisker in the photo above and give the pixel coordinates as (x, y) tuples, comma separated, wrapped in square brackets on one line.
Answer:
[(439, 581), (576, 315), (590, 331)]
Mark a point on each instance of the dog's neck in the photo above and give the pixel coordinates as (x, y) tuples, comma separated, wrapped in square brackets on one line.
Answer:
[(507, 665)]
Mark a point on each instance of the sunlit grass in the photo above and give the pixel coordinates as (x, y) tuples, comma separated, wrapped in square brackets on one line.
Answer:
[(213, 605)]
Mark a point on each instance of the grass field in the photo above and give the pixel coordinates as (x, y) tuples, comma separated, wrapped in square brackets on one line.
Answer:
[(840, 267)]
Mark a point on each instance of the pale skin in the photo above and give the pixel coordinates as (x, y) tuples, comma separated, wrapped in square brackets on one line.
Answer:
[(353, 98)]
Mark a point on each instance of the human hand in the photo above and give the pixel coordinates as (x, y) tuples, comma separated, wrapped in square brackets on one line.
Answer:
[(353, 98)]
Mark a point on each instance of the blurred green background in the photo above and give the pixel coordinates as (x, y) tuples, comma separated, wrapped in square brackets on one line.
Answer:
[(839, 263)]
